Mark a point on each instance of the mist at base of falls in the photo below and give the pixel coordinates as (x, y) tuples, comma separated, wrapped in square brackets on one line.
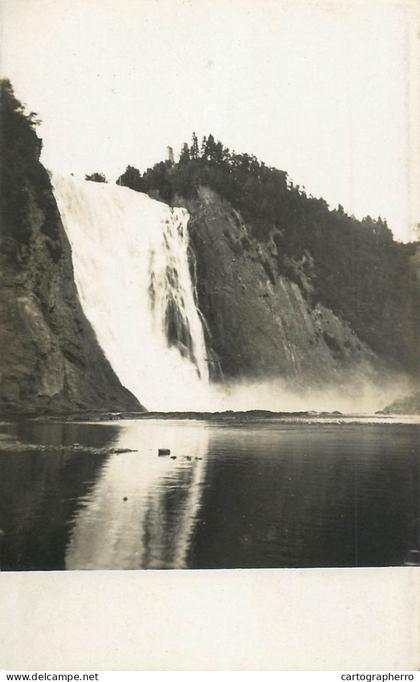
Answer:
[(132, 272), (354, 394)]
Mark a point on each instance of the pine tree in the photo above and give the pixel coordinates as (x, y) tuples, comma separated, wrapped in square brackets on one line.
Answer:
[(218, 152), (210, 150), (203, 147), (184, 156), (194, 149)]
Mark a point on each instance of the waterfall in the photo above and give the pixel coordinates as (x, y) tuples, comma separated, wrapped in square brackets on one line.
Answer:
[(130, 259), (133, 276)]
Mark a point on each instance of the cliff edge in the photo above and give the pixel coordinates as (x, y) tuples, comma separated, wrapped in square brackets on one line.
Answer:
[(50, 360)]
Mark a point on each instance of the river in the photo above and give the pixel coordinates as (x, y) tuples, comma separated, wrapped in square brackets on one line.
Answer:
[(258, 493)]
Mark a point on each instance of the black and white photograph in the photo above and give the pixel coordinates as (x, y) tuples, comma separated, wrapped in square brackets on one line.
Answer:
[(209, 293)]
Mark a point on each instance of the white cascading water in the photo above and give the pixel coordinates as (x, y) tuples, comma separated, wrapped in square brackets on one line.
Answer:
[(130, 258)]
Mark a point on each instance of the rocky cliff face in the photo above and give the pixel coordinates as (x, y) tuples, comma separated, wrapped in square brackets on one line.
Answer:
[(260, 323), (50, 360)]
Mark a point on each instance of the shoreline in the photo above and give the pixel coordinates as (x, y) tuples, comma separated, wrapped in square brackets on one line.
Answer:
[(226, 416)]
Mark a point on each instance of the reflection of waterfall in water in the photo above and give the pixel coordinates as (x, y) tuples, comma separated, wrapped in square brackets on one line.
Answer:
[(130, 257), (153, 527)]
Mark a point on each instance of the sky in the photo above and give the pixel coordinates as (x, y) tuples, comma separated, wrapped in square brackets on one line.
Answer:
[(327, 90)]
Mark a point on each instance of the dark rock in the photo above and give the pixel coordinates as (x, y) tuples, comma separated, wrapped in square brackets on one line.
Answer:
[(162, 452), (273, 330)]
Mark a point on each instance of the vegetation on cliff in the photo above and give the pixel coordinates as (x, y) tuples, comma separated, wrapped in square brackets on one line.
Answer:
[(354, 266), (20, 169), (95, 177)]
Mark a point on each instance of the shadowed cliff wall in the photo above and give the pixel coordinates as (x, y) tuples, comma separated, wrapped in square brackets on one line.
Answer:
[(50, 359)]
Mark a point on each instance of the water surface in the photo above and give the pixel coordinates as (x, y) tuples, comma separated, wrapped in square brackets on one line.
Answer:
[(261, 494)]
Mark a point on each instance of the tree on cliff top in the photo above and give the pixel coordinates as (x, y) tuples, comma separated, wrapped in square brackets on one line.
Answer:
[(19, 142), (130, 178), (19, 163), (95, 177)]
